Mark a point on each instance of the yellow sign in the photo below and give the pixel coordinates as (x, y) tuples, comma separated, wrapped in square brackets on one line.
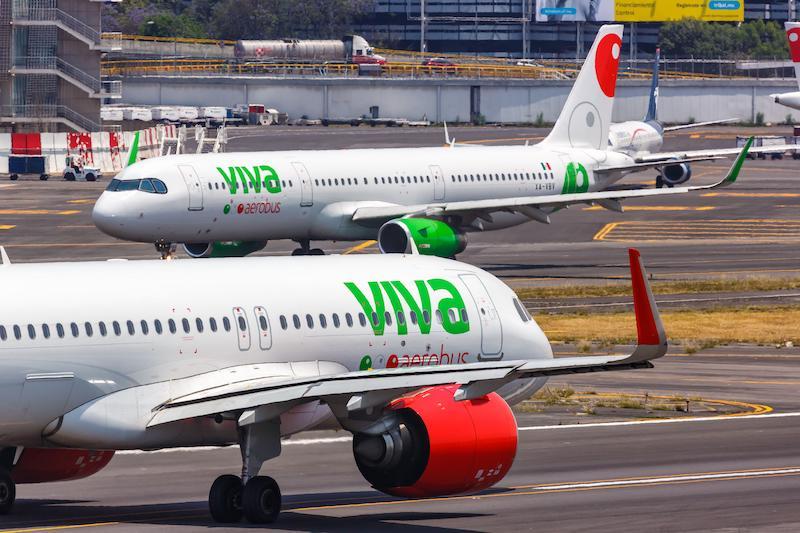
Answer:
[(660, 10)]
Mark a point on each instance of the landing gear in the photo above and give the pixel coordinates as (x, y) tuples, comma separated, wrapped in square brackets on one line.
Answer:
[(305, 249), (659, 182), (257, 498), (8, 492), (166, 249)]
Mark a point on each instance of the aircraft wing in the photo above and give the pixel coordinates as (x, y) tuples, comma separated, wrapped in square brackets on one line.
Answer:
[(699, 124), (376, 388), (707, 155), (531, 205)]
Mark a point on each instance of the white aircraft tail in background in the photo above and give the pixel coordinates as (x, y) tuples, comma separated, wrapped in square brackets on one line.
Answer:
[(793, 36)]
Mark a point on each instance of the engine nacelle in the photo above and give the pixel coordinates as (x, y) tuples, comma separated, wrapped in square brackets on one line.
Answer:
[(223, 249), (42, 465), (420, 235), (676, 174), (428, 444)]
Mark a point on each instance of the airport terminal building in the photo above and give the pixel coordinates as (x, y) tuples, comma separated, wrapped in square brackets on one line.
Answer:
[(508, 27)]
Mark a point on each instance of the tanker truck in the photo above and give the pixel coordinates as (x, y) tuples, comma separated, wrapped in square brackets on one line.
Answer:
[(351, 49)]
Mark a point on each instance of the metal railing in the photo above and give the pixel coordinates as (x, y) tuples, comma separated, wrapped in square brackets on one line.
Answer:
[(71, 72), (45, 112), (51, 14)]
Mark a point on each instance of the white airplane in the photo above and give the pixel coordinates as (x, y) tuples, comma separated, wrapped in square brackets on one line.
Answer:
[(792, 99), (411, 199), (403, 351)]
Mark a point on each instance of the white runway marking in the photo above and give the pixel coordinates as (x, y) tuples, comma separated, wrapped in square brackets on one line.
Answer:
[(342, 439)]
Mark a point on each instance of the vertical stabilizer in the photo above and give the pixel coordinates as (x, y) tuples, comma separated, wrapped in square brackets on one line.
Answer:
[(652, 108), (793, 35), (586, 116)]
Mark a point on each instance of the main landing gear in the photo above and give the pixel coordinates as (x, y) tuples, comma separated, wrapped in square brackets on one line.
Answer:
[(166, 249), (8, 491), (305, 248), (257, 498)]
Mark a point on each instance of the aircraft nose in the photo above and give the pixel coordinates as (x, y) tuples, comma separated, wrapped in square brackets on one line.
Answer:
[(109, 215)]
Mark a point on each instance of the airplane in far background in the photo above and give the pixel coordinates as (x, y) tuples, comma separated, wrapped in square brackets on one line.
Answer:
[(791, 99)]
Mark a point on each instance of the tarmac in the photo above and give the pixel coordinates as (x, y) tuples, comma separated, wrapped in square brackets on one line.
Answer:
[(726, 473)]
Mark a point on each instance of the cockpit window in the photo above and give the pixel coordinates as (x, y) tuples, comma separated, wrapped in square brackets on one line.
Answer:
[(148, 185)]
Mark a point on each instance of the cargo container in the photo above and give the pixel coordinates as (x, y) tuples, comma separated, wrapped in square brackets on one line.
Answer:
[(166, 114)]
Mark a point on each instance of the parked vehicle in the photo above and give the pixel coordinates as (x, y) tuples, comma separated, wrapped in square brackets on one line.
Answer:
[(352, 49), (77, 171)]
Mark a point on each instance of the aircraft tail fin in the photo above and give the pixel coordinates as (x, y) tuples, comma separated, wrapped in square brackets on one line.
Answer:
[(652, 108), (793, 35), (133, 153), (586, 116)]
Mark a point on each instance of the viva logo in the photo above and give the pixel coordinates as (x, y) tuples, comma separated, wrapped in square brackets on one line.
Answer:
[(420, 300), (251, 179), (571, 179)]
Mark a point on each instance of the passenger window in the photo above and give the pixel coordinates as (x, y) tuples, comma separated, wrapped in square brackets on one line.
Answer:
[(60, 331), (310, 321), (388, 317), (199, 324), (74, 328), (336, 322), (212, 323), (45, 331), (3, 334), (17, 332), (284, 324), (226, 323), (438, 316), (103, 329), (296, 321), (157, 324), (323, 322), (89, 330), (362, 319), (242, 323), (412, 315), (464, 316), (131, 330), (426, 316), (262, 321), (185, 324), (117, 329), (349, 319), (171, 325), (452, 314), (401, 317), (31, 331), (145, 327)]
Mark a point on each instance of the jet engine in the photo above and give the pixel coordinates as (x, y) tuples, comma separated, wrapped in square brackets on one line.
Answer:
[(420, 235), (672, 175), (41, 465), (223, 249), (427, 444)]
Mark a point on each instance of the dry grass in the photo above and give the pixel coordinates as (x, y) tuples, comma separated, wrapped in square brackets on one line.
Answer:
[(702, 329), (755, 284)]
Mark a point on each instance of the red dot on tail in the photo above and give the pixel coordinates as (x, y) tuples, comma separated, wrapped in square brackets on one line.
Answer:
[(606, 63), (793, 36)]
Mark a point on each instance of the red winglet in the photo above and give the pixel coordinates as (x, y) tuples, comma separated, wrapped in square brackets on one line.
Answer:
[(648, 323)]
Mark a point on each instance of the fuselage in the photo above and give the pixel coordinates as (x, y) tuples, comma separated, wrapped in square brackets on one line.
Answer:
[(791, 100), (89, 375), (636, 137), (313, 194)]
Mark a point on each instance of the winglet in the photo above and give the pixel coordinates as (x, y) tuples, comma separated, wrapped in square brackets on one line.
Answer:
[(447, 139), (733, 173), (651, 337), (133, 153)]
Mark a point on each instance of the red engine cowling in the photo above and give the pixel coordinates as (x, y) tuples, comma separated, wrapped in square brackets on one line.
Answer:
[(428, 444), (41, 465)]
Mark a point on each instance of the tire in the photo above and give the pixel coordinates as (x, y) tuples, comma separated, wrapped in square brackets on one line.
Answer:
[(225, 499), (261, 500), (298, 252), (44, 177), (659, 182), (91, 177), (317, 251), (14, 177), (69, 176), (8, 492)]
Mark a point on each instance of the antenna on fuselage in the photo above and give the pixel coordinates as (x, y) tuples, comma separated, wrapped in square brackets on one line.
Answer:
[(4, 260)]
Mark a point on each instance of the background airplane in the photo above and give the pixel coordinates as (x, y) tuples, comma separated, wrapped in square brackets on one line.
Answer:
[(791, 99), (410, 199), (405, 352)]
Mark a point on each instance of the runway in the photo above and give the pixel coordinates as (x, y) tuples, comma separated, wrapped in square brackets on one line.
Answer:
[(726, 474)]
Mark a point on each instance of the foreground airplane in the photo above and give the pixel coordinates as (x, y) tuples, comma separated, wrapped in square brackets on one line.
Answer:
[(410, 199), (791, 99), (405, 352)]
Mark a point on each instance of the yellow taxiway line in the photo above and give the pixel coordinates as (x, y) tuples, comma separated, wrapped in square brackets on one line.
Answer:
[(629, 208), (752, 194), (36, 212), (6, 227), (363, 246)]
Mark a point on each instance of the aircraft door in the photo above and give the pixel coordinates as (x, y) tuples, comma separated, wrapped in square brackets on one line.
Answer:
[(264, 330), (491, 329), (242, 328), (193, 185), (306, 188), (438, 182)]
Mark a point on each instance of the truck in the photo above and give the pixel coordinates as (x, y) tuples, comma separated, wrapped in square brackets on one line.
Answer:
[(351, 49)]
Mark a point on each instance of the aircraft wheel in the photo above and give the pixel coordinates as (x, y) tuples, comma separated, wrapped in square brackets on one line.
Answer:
[(8, 492), (225, 499), (317, 251), (659, 182), (299, 251), (261, 500)]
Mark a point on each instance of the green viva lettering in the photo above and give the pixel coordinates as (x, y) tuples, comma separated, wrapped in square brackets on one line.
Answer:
[(400, 297), (571, 179), (251, 179)]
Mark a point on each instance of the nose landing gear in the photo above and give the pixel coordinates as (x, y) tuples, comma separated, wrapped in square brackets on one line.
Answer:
[(305, 249), (257, 498), (166, 249), (8, 492)]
